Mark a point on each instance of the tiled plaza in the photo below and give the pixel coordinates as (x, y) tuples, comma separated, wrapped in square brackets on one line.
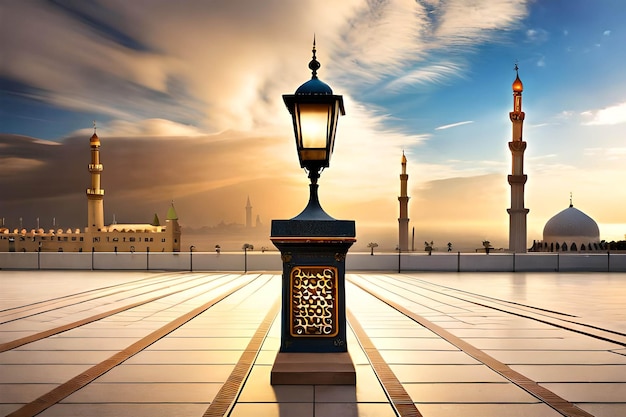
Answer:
[(95, 343)]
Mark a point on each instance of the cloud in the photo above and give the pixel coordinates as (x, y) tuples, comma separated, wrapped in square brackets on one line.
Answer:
[(611, 115), (219, 65), (537, 35), (454, 125), (606, 33), (429, 74)]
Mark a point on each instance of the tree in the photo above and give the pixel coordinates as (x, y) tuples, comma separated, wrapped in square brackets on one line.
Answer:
[(428, 247), (449, 247), (218, 249), (246, 247), (487, 245), (372, 245)]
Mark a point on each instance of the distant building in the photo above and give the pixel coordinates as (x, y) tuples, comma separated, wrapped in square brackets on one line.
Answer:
[(96, 236), (403, 220), (570, 230)]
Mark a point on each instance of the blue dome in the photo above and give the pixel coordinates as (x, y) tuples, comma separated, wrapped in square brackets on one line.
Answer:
[(314, 86)]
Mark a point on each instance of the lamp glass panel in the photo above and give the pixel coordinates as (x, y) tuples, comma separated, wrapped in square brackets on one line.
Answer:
[(313, 125)]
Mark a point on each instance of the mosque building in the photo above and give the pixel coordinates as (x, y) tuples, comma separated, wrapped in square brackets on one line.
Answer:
[(570, 230), (97, 236)]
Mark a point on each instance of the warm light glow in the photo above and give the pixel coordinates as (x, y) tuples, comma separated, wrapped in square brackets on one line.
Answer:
[(313, 122)]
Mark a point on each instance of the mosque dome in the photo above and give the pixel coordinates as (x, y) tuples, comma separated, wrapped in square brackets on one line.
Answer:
[(571, 228)]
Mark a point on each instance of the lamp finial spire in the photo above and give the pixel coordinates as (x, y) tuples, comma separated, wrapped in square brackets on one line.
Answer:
[(314, 65)]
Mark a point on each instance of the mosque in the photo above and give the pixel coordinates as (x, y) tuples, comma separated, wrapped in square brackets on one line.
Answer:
[(571, 230), (97, 236)]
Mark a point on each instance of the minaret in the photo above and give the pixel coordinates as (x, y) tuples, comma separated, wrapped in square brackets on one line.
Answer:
[(517, 212), (95, 194), (403, 220), (248, 214)]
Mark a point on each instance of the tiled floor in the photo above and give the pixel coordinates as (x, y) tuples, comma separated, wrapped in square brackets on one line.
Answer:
[(519, 320)]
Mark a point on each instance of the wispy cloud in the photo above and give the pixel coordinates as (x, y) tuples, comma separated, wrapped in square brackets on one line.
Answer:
[(537, 35), (430, 74), (454, 125), (611, 115)]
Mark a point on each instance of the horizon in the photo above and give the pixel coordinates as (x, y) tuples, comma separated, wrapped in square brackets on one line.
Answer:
[(188, 103)]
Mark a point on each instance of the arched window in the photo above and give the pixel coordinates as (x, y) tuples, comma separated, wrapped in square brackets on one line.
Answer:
[(582, 247), (558, 247), (574, 248), (564, 247)]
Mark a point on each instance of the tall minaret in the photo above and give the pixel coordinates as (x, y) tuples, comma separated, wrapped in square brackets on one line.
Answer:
[(95, 194), (517, 212), (248, 214), (403, 220)]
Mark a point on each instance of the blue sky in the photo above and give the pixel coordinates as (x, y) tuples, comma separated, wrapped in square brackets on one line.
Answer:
[(430, 77)]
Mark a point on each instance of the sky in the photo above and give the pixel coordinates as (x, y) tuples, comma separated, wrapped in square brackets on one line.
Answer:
[(187, 97)]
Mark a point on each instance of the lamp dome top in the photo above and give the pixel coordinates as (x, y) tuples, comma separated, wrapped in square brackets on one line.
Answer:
[(314, 85), (518, 87)]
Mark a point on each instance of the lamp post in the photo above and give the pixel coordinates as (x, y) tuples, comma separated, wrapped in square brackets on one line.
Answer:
[(313, 248), (191, 248)]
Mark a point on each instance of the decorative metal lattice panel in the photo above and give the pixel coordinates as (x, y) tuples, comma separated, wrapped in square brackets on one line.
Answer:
[(313, 301)]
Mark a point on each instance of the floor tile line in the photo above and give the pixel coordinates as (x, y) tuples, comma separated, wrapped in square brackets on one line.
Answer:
[(60, 329), (226, 397), (561, 405), (69, 387), (399, 399)]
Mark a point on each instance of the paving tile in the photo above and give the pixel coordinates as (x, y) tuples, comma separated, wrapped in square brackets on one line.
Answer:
[(468, 393), (257, 389), (167, 373), (273, 410), (427, 357), (604, 409), (487, 410), (411, 344), (145, 393), (573, 373), (55, 357), (368, 389), (125, 410), (200, 357), (354, 410), (6, 409), (23, 393), (589, 392), (200, 343), (445, 373), (41, 374), (554, 357), (77, 343), (542, 344)]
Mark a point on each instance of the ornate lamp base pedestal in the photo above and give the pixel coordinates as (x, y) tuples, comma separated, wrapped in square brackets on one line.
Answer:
[(313, 347), (313, 369)]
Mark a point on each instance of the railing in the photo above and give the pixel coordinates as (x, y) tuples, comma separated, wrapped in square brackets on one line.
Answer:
[(356, 261)]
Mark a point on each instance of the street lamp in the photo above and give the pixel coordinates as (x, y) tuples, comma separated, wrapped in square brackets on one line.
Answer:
[(191, 248), (315, 111), (313, 248)]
